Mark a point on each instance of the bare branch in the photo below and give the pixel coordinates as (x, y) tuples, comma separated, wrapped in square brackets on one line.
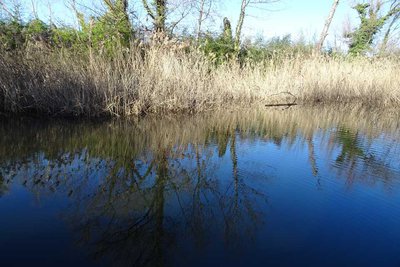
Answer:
[(4, 7), (243, 13)]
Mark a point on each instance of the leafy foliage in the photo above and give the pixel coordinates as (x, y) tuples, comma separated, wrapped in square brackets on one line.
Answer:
[(372, 22), (219, 49), (11, 36), (276, 48), (103, 33), (113, 28)]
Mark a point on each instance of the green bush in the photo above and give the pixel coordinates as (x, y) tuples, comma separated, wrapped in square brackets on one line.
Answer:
[(36, 30), (11, 36), (65, 37), (276, 48), (219, 49)]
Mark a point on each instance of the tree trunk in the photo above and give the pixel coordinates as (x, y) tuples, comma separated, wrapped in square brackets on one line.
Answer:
[(326, 26), (200, 20), (158, 15), (34, 10), (240, 23), (161, 7)]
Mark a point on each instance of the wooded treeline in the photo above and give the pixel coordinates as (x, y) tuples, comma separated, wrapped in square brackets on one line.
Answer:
[(117, 24)]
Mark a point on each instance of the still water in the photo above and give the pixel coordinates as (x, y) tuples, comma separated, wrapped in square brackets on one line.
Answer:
[(294, 187)]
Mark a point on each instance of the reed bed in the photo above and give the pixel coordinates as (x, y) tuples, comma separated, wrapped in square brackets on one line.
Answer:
[(155, 80)]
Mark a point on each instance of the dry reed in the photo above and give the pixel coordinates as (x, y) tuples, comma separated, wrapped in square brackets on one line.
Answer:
[(158, 80)]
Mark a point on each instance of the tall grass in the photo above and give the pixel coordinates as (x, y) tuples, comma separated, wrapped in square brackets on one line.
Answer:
[(156, 80)]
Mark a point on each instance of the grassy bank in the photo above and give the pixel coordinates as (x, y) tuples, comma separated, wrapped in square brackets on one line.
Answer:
[(140, 81)]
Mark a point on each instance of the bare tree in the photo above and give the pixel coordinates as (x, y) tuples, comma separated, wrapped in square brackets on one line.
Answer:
[(34, 9), (13, 9), (328, 22), (243, 12), (203, 8), (395, 5), (6, 9), (180, 9)]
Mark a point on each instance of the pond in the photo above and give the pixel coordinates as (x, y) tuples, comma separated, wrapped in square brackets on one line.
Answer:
[(279, 187)]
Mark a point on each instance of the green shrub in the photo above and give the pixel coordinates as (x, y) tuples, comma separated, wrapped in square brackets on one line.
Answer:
[(11, 36), (219, 49), (35, 30)]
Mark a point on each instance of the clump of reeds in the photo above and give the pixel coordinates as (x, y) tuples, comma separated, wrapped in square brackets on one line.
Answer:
[(155, 80)]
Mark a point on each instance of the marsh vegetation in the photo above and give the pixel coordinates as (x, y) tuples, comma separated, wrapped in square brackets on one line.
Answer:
[(230, 152), (160, 80), (110, 66)]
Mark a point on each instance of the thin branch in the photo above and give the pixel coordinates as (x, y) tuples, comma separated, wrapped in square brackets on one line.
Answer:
[(4, 7), (148, 9)]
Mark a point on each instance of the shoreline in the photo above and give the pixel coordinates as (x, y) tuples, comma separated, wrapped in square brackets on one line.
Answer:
[(134, 85), (333, 107)]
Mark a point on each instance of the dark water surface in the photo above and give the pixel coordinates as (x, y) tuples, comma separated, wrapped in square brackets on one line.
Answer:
[(296, 187)]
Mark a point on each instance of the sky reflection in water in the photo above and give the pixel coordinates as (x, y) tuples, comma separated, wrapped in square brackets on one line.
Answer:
[(297, 187)]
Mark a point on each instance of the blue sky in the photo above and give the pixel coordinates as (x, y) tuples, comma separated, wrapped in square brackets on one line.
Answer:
[(295, 17)]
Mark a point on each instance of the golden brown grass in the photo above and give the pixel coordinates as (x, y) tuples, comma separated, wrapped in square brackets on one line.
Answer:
[(159, 80)]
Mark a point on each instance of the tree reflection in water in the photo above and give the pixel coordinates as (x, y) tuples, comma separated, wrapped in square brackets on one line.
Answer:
[(134, 211), (137, 218), (357, 159), (140, 193)]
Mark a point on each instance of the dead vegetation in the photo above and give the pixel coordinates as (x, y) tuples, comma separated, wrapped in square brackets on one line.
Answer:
[(155, 80)]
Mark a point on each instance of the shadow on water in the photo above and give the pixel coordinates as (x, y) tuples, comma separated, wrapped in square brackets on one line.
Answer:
[(167, 192)]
